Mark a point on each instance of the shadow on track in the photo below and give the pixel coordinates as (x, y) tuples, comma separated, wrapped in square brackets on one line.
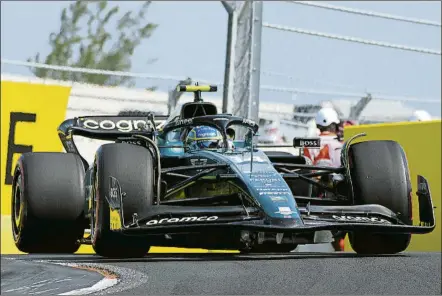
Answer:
[(183, 257)]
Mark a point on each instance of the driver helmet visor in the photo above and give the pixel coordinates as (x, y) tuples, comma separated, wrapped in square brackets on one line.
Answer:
[(207, 144)]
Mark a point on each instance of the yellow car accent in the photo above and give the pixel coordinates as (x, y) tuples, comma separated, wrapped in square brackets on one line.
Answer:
[(194, 88), (115, 220)]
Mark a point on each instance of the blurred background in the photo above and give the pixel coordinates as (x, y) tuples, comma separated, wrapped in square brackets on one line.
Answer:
[(276, 62)]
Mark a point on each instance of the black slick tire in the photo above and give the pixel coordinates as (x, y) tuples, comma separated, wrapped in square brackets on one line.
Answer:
[(47, 203), (380, 175), (132, 166)]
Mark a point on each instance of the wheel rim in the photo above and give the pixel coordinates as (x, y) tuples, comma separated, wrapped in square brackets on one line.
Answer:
[(17, 207)]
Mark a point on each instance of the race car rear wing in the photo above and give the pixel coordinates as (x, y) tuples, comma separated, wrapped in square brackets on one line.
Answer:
[(106, 128), (110, 127)]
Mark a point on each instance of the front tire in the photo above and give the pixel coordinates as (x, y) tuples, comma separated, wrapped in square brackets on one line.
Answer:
[(132, 166), (379, 171)]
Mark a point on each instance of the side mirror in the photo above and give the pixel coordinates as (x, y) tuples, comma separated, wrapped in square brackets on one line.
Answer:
[(248, 139), (231, 133)]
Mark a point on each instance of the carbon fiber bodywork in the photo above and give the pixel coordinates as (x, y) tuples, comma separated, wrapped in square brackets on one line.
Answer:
[(244, 191), (371, 218)]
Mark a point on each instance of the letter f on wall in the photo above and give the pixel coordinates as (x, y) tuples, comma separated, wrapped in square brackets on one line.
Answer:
[(13, 148)]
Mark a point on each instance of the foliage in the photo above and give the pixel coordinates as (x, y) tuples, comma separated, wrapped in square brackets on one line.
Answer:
[(84, 41)]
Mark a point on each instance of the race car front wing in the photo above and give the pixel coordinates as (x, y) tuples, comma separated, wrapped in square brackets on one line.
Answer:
[(165, 219)]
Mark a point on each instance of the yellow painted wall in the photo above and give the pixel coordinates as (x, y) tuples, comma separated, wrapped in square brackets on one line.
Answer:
[(40, 109)]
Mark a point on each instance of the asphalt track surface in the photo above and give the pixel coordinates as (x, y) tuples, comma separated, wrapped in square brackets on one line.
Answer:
[(231, 274), (33, 278)]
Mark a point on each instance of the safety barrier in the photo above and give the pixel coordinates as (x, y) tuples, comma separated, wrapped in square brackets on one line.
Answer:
[(422, 145), (31, 114)]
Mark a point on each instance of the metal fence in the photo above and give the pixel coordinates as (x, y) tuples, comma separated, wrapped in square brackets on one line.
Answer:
[(242, 78), (243, 61), (242, 85)]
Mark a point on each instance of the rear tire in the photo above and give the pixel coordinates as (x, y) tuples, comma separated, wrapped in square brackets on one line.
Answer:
[(379, 171), (132, 166), (47, 203)]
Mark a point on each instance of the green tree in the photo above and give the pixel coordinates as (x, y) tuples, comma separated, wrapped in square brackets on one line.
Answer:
[(83, 40)]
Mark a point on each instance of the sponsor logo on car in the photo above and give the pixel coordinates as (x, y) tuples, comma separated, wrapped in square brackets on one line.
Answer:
[(276, 190), (248, 122), (422, 187), (359, 219), (181, 220), (119, 125), (207, 135), (239, 159), (198, 161), (114, 194), (307, 142), (277, 198), (264, 180), (276, 193), (184, 121), (133, 142), (284, 211), (258, 173), (70, 146)]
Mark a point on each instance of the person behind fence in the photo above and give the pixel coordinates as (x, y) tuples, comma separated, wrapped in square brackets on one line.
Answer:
[(327, 122), (420, 115), (329, 154), (342, 128)]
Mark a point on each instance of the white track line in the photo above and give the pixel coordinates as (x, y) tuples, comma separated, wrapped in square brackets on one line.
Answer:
[(101, 285)]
